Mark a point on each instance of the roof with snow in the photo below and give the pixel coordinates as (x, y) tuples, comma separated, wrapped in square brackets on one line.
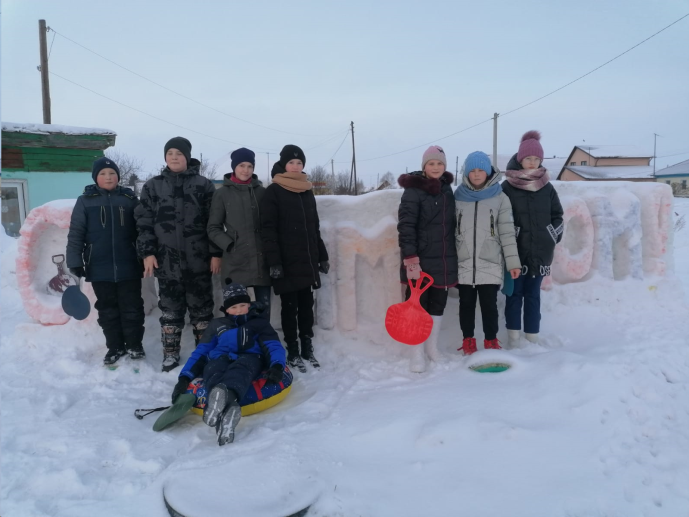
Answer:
[(46, 129), (613, 172), (614, 151), (678, 169)]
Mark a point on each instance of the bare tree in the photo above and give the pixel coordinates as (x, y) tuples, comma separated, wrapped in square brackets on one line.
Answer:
[(208, 170), (342, 187), (387, 181), (129, 166), (321, 179)]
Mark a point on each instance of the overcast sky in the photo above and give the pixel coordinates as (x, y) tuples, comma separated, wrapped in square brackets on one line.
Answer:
[(406, 72)]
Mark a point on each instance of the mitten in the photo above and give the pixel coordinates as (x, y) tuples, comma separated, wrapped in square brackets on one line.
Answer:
[(180, 387), (77, 271), (413, 268), (274, 375), (324, 267), (276, 271)]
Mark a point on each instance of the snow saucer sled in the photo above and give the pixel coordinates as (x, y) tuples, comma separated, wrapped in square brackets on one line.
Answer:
[(490, 367)]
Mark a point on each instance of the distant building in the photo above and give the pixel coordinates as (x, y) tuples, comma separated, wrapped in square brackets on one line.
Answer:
[(606, 163), (45, 162), (677, 176)]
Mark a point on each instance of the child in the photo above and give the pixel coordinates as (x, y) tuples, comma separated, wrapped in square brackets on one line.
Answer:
[(101, 247), (233, 351), (426, 228), (174, 245), (294, 250), (538, 221), (485, 247), (234, 226)]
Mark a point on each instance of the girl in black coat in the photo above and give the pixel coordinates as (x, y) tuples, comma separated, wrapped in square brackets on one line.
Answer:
[(294, 250), (426, 226), (538, 221)]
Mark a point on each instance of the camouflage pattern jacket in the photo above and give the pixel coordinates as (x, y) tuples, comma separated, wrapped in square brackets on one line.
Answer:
[(172, 218)]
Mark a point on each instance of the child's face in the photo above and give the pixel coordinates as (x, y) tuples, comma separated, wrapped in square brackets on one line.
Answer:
[(175, 160), (434, 169), (244, 171), (294, 166), (478, 177), (107, 179), (238, 309), (531, 162)]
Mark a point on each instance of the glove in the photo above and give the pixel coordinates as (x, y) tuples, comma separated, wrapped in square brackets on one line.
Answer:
[(180, 387), (276, 271), (324, 267), (413, 268), (274, 375), (77, 271)]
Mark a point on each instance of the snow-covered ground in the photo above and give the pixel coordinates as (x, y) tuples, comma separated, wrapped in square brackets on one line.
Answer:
[(593, 422)]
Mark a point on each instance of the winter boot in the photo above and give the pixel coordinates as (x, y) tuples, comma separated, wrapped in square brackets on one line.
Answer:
[(307, 352), (228, 422), (417, 363), (112, 356), (493, 344), (512, 338), (468, 345), (136, 353), (431, 344), (172, 338), (199, 329), (133, 336), (531, 337), (216, 404), (293, 357)]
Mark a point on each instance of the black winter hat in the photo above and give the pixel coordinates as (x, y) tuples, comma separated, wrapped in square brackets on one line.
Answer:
[(104, 163), (234, 293), (181, 144), (242, 155), (291, 152)]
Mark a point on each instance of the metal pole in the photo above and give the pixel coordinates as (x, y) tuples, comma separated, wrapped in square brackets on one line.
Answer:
[(495, 140), (456, 169), (655, 137), (353, 173), (43, 68)]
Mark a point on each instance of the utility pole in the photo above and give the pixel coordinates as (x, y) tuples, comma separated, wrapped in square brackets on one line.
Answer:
[(655, 137), (456, 169), (332, 167), (352, 175), (495, 140), (43, 68)]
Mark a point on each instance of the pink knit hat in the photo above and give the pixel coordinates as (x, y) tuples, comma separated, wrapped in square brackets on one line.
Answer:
[(434, 152), (530, 146)]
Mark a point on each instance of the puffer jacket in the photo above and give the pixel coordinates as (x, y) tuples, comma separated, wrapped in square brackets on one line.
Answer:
[(538, 221), (485, 237), (234, 226), (234, 336), (426, 226), (102, 235), (172, 220)]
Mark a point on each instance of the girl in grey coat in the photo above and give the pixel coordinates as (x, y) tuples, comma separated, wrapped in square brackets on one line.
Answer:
[(486, 245), (234, 225)]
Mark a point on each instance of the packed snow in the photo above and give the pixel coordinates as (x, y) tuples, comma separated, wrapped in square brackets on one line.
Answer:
[(44, 129), (594, 421)]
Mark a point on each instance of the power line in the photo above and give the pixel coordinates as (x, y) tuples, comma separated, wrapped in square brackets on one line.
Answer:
[(325, 141), (670, 155), (338, 147), (175, 92)]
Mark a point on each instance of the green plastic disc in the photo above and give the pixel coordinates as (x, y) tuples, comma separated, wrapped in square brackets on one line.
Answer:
[(490, 367)]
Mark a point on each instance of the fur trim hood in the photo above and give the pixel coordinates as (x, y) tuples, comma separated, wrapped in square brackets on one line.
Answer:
[(418, 180)]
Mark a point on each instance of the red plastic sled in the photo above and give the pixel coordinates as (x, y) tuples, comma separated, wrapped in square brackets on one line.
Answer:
[(408, 322)]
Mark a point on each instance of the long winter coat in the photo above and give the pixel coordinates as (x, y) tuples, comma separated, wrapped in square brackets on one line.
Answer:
[(426, 226), (234, 336), (234, 226), (292, 237), (485, 237), (538, 221), (172, 220), (102, 235)]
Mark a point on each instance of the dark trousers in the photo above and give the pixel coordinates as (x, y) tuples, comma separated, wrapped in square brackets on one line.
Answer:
[(235, 375), (297, 314), (527, 290), (262, 293), (120, 313), (433, 300), (194, 294), (488, 298)]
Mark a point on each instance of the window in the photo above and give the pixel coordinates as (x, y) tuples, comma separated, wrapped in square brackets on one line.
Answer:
[(13, 206), (684, 184), (572, 163), (584, 162)]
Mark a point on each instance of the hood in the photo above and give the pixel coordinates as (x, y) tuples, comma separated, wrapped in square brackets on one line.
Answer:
[(95, 190), (495, 177), (513, 164), (417, 180), (193, 167), (227, 181)]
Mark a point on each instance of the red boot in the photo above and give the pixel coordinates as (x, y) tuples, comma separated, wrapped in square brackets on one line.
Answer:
[(468, 345), (491, 343)]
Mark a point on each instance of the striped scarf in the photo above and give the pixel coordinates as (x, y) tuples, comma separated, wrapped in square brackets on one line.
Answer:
[(528, 179)]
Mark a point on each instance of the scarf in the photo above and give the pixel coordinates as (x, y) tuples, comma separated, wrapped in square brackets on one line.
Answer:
[(528, 179), (293, 181), (235, 179), (467, 192)]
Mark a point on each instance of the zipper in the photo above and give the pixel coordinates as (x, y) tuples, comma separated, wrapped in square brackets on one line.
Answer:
[(492, 224), (112, 237), (473, 284), (121, 216), (308, 248)]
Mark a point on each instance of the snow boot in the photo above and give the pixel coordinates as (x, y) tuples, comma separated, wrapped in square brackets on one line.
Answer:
[(417, 363), (136, 352), (172, 338), (512, 338), (307, 352), (531, 337), (468, 345), (228, 422), (113, 355), (217, 402), (431, 344), (293, 357), (199, 329), (491, 344)]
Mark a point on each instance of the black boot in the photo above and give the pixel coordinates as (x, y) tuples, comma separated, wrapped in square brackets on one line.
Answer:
[(172, 338), (133, 338), (113, 355), (307, 352), (114, 340), (293, 357), (199, 329)]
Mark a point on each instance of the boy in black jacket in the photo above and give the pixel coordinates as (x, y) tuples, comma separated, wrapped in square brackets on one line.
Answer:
[(101, 247)]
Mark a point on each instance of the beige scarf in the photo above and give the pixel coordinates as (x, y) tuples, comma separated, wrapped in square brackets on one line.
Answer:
[(293, 181)]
